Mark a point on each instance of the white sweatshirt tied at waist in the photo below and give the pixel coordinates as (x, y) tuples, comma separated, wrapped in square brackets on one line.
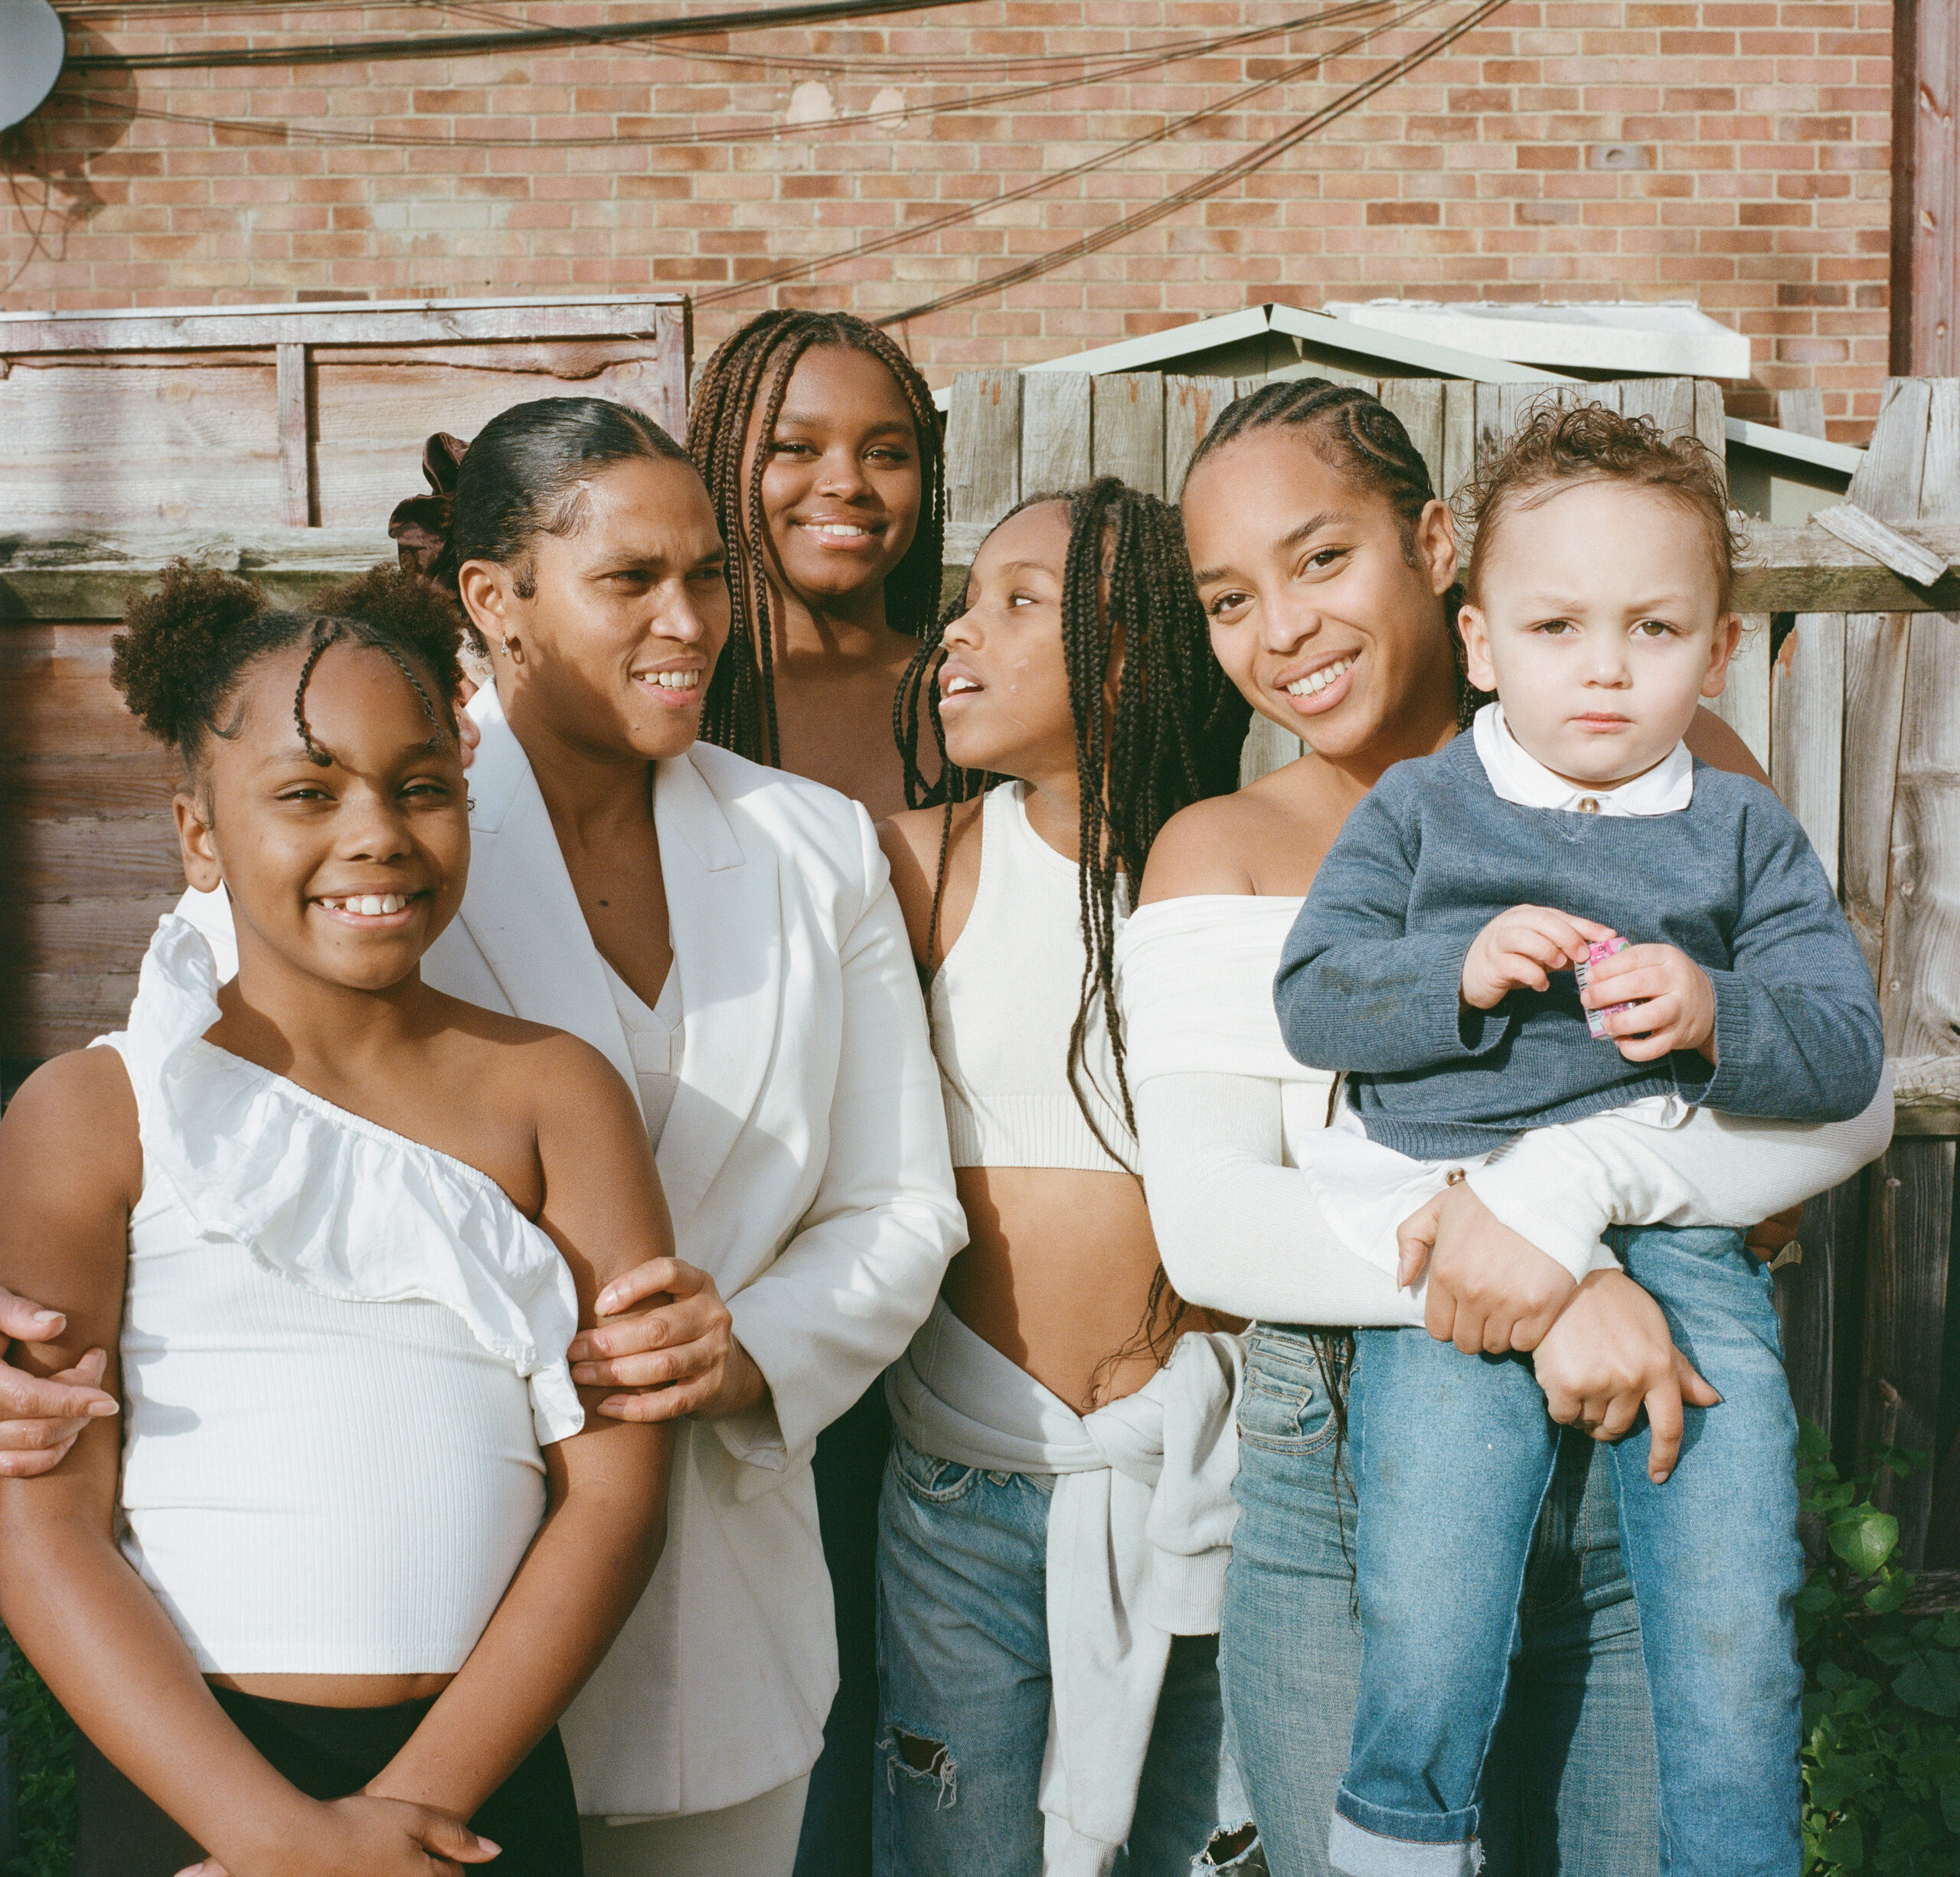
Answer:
[(1139, 1534)]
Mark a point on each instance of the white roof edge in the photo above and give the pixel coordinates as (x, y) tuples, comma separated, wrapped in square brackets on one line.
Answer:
[(350, 306), (1795, 445), (1195, 335), (1377, 342)]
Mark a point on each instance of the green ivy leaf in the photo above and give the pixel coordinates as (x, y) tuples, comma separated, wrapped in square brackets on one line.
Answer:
[(1949, 1803), (1844, 1845), (1864, 1539), (1931, 1683), (1887, 1594)]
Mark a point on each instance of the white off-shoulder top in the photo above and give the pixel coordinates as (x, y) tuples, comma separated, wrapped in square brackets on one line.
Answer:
[(340, 1352), (1225, 1117)]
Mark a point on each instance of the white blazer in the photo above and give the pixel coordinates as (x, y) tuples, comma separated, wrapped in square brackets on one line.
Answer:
[(806, 1164)]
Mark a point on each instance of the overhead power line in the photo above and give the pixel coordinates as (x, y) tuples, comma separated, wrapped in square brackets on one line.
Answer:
[(278, 130), (971, 211), (450, 45), (1254, 159)]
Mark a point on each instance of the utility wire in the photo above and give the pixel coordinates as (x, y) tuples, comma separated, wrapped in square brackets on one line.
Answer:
[(971, 211), (281, 131), (1255, 159), (450, 45)]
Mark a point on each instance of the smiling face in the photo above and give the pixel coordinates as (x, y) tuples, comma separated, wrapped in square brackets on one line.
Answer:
[(1004, 686), (1316, 613), (841, 484), (1600, 626), (345, 871), (610, 651)]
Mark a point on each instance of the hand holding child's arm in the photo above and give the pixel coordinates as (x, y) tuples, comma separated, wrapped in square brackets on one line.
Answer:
[(1673, 998), (1520, 948), (1489, 1290), (1608, 1355)]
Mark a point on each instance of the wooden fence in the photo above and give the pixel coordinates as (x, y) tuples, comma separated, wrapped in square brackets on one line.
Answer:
[(1855, 715)]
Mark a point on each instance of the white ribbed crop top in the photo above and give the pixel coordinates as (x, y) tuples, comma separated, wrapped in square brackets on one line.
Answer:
[(341, 1351), (1003, 1004)]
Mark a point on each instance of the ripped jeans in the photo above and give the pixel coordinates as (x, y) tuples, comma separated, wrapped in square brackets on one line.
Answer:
[(964, 1693)]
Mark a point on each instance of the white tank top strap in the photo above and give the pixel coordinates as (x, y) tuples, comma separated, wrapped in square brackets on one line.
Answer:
[(1003, 1004)]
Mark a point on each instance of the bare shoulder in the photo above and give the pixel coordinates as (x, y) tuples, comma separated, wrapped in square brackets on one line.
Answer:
[(913, 841), (83, 1097), (532, 1068)]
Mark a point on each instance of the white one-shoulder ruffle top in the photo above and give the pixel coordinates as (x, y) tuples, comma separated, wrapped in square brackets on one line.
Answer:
[(341, 1351)]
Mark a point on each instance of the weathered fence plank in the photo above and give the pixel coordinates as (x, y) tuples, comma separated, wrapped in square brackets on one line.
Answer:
[(1418, 402), (1128, 434), (1190, 407), (983, 446), (1806, 729), (1906, 1295), (1057, 430)]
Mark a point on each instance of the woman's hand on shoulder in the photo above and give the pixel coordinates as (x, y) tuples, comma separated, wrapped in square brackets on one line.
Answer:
[(1608, 1355)]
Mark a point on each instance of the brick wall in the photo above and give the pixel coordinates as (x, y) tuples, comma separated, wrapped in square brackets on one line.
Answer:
[(1734, 153)]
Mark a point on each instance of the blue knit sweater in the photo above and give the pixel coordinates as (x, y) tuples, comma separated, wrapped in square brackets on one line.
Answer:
[(1370, 980)]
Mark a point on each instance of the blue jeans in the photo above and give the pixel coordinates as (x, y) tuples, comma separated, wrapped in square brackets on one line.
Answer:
[(1569, 1785), (1454, 1463), (964, 1693)]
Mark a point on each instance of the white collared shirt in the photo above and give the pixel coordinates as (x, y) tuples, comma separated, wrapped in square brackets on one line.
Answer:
[(1515, 775)]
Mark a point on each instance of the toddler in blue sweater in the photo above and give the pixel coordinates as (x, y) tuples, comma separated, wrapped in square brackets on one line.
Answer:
[(1434, 962)]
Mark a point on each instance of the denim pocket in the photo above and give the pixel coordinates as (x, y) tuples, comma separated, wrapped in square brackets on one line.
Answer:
[(937, 1482), (1284, 1406)]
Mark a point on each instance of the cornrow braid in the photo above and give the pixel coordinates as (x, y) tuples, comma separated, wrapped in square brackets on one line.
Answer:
[(1356, 433), (750, 373), (1172, 739)]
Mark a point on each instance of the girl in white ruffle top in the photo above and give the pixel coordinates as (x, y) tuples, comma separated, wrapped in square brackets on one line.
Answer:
[(360, 1546)]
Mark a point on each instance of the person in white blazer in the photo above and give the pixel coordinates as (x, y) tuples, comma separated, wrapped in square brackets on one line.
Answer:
[(804, 1155)]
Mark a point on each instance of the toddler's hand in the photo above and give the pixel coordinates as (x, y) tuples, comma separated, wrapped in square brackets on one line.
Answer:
[(1676, 1002), (1519, 949), (1490, 1290)]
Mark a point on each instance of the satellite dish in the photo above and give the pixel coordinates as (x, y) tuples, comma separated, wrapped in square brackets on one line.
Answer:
[(32, 46)]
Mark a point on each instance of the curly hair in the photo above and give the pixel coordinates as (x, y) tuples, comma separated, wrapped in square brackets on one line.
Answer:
[(1557, 447), (750, 373), (1173, 739), (1354, 432), (185, 649)]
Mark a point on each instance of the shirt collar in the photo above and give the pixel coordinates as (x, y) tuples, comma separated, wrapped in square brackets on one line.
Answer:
[(1516, 776)]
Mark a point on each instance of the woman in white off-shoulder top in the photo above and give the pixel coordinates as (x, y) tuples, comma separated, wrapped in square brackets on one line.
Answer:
[(1325, 565)]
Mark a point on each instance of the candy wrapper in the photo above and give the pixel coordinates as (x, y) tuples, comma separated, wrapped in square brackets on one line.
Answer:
[(1598, 950)]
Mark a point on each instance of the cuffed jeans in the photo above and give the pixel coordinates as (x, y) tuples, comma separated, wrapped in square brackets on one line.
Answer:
[(1569, 1788), (964, 1693), (1453, 1460)]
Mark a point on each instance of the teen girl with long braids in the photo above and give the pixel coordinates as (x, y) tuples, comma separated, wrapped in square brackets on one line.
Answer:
[(1326, 565), (360, 1544), (1056, 1515), (724, 935), (821, 448)]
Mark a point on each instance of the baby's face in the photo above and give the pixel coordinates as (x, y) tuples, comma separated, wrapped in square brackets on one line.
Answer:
[(1600, 628)]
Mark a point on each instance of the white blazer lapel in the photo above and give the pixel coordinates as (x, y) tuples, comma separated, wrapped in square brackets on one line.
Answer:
[(724, 910), (521, 908)]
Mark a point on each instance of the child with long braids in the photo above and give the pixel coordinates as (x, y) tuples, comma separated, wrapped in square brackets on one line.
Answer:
[(318, 1611), (1057, 1514), (820, 447), (1572, 831)]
